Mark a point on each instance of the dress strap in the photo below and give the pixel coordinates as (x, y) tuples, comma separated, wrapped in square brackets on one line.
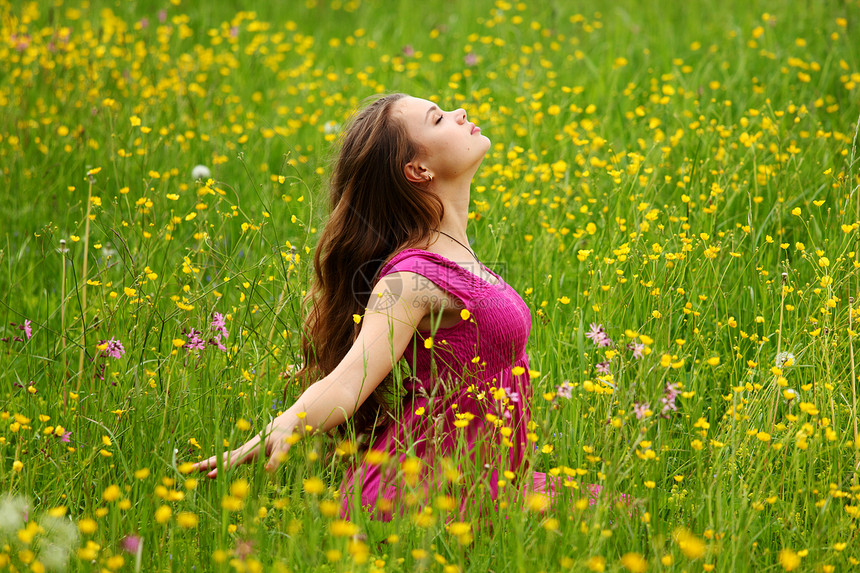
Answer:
[(443, 272)]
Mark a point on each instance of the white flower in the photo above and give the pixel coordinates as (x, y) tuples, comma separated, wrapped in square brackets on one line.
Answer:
[(200, 172), (784, 359), (108, 251), (12, 509), (331, 127)]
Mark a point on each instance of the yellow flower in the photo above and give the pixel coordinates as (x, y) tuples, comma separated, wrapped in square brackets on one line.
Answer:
[(537, 502), (634, 562), (690, 545), (465, 314), (596, 563), (342, 528), (162, 514), (714, 360), (788, 559), (111, 493), (428, 343), (356, 318), (88, 525), (187, 520), (314, 485), (239, 488)]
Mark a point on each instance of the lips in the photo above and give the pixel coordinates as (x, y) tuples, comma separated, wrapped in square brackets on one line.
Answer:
[(475, 129)]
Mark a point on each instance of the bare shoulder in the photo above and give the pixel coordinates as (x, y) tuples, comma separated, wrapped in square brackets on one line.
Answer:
[(404, 288)]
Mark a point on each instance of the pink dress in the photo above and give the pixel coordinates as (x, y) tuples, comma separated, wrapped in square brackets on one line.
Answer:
[(470, 401)]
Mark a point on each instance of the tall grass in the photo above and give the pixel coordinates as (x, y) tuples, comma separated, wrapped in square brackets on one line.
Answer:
[(684, 176)]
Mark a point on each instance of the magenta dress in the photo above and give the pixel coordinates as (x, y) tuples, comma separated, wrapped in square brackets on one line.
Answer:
[(471, 395)]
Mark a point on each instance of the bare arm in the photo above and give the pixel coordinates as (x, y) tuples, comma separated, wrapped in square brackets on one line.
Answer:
[(396, 307)]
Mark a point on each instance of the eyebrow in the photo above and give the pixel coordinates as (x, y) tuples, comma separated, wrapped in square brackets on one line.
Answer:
[(428, 113)]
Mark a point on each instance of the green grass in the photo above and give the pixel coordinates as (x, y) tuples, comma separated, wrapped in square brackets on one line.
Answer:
[(647, 163)]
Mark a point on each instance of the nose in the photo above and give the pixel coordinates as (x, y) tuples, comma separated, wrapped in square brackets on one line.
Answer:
[(461, 115)]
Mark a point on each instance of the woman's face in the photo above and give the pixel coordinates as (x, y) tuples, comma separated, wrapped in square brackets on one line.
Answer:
[(451, 146)]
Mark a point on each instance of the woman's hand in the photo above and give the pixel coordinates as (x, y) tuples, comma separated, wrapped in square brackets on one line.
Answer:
[(276, 441)]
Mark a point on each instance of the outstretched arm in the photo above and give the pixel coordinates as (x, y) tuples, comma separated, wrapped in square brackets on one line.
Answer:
[(392, 316)]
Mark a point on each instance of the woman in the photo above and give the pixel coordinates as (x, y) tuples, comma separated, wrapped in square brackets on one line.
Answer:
[(400, 195)]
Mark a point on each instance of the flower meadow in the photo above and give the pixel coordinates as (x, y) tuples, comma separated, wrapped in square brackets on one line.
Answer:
[(674, 189)]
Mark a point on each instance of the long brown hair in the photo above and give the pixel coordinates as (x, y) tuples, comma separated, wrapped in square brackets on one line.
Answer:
[(375, 212)]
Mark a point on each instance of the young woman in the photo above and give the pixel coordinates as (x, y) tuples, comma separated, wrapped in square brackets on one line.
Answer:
[(397, 233)]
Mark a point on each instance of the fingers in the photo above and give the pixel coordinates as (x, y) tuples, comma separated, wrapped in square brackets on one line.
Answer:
[(279, 454), (240, 455), (205, 464), (276, 446)]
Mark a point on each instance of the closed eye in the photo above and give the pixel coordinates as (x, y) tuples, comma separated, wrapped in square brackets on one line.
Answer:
[(439, 120)]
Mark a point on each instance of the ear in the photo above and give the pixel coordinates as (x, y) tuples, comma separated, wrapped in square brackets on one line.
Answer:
[(417, 173)]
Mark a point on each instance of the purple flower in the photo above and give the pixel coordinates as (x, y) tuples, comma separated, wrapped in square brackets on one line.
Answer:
[(514, 397), (195, 343), (598, 336), (66, 437), (471, 59), (603, 367), (639, 408), (112, 348), (564, 390), (131, 543), (27, 328), (408, 51), (162, 15), (596, 333), (668, 399), (218, 324), (219, 327), (637, 348)]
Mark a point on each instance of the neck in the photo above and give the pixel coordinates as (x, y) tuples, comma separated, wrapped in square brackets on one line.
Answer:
[(455, 199)]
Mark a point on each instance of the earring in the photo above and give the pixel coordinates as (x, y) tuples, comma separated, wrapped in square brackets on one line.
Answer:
[(429, 178)]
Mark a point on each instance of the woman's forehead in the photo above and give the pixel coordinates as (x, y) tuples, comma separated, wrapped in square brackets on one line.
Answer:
[(413, 107)]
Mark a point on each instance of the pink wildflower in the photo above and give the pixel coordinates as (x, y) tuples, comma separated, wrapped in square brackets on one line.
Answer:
[(564, 390), (114, 349), (220, 329), (639, 408), (598, 336), (596, 333), (131, 543), (603, 367), (27, 328), (637, 348), (668, 399), (195, 343), (218, 324)]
